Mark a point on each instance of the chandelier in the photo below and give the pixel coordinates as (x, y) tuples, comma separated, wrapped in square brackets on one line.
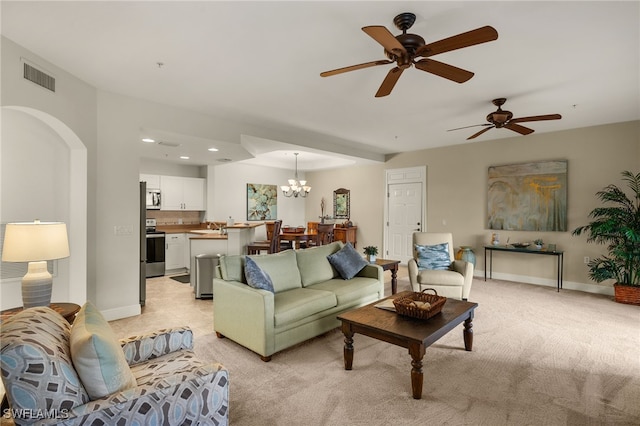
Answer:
[(296, 188)]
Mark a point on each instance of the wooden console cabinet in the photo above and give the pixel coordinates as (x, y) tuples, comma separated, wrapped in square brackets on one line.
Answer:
[(345, 235)]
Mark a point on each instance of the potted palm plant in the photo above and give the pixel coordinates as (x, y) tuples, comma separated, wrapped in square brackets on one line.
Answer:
[(617, 224), (371, 252)]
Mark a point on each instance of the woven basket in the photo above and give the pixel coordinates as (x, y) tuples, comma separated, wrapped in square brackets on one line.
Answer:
[(627, 294), (406, 305)]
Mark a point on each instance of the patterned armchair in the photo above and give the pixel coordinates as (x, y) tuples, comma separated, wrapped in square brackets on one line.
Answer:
[(172, 385)]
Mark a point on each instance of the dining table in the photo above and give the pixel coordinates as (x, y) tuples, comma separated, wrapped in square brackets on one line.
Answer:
[(297, 238)]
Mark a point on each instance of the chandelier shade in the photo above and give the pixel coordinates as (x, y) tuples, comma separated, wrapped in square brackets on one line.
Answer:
[(296, 188)]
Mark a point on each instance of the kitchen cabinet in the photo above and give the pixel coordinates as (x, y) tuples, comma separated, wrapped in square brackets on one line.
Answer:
[(345, 235), (182, 193), (153, 181), (176, 246)]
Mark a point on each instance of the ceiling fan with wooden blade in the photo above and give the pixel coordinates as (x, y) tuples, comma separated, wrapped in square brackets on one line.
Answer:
[(500, 118), (406, 48)]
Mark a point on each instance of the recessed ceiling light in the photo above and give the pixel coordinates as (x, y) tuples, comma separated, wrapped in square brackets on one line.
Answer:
[(184, 157), (213, 149), (148, 140)]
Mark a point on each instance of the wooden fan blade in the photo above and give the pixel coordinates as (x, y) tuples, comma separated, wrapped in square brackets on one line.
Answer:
[(383, 36), (518, 128), (389, 82), (355, 67), (444, 70), (480, 132), (536, 118), (470, 38), (474, 125)]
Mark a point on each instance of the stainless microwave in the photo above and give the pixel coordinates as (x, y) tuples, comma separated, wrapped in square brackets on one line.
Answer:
[(153, 199)]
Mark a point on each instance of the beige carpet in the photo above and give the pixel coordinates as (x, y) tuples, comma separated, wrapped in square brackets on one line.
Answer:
[(539, 358)]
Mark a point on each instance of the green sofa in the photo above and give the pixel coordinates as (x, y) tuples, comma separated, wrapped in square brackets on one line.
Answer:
[(308, 295)]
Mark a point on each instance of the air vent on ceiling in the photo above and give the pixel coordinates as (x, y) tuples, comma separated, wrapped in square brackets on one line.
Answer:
[(225, 160), (170, 144), (39, 77)]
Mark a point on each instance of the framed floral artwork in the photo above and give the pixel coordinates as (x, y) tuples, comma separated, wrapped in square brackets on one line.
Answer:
[(262, 202)]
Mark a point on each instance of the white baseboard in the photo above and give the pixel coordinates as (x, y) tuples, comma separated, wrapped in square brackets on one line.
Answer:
[(567, 285), (122, 312)]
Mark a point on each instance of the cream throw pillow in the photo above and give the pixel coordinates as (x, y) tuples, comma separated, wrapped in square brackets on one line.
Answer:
[(97, 355)]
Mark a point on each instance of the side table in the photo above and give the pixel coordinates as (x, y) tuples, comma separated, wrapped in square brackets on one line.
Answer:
[(390, 265), (67, 310)]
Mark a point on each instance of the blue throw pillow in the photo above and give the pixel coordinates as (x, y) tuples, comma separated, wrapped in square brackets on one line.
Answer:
[(433, 257), (347, 262), (256, 277)]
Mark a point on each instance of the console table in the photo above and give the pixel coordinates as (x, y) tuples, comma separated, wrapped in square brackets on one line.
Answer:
[(559, 255), (345, 235)]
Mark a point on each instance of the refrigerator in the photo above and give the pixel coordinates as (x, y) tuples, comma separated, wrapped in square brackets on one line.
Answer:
[(143, 242)]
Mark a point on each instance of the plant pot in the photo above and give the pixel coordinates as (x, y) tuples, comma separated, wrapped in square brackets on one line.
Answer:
[(371, 258), (629, 294)]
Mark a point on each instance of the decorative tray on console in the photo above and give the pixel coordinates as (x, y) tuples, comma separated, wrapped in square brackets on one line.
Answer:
[(520, 245), (420, 305)]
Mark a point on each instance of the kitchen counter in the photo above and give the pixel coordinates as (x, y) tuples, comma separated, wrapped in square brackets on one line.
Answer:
[(206, 234)]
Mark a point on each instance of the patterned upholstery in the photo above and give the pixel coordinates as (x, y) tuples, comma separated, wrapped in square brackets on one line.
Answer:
[(173, 386)]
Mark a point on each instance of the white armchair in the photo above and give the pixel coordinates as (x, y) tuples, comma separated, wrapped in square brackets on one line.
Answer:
[(454, 282)]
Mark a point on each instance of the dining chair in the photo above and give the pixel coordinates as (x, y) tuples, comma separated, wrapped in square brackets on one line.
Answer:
[(325, 234), (271, 246)]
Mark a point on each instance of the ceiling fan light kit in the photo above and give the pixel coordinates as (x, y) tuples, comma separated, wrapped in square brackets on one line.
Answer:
[(405, 48)]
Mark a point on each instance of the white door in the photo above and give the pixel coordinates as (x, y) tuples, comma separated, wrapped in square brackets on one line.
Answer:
[(405, 218)]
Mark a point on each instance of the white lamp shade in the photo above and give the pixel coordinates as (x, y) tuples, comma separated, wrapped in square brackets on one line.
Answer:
[(35, 241)]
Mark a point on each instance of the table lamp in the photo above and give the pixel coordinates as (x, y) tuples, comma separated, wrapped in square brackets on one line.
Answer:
[(35, 242)]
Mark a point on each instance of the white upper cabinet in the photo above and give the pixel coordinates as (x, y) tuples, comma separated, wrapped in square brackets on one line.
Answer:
[(153, 181), (182, 193)]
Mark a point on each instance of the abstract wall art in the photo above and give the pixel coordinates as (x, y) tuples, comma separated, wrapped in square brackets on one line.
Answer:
[(528, 196), (262, 201)]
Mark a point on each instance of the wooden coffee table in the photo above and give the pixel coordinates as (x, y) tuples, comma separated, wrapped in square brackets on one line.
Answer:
[(412, 333)]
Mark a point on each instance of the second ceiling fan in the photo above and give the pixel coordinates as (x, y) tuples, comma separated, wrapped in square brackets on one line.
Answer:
[(405, 48), (500, 118)]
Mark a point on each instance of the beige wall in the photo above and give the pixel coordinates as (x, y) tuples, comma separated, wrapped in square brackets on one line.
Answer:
[(456, 193)]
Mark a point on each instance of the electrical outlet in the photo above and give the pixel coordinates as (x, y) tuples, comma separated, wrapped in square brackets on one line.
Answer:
[(122, 230), (586, 259)]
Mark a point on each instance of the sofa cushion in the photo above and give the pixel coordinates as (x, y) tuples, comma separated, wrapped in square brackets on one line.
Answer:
[(282, 268), (299, 303), (97, 354), (349, 291), (256, 277), (433, 257), (36, 365), (440, 277), (313, 263), (232, 268), (347, 261)]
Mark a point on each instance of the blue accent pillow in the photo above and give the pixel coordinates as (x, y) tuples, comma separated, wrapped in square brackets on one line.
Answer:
[(347, 262), (433, 257), (256, 277)]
